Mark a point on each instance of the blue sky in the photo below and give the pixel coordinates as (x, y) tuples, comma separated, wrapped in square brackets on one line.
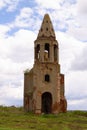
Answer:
[(20, 21)]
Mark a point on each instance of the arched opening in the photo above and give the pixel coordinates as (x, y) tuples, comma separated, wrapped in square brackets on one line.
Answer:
[(55, 52), (46, 103), (46, 51), (37, 51)]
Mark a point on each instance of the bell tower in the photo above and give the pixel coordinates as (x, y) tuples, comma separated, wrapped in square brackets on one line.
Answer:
[(44, 84), (46, 45)]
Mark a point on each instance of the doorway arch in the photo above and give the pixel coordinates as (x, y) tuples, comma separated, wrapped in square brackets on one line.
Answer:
[(46, 103)]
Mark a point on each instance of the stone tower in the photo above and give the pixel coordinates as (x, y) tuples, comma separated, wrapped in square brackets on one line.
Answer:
[(44, 84)]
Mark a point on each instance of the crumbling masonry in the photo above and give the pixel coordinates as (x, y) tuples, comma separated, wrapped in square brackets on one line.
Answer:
[(44, 84)]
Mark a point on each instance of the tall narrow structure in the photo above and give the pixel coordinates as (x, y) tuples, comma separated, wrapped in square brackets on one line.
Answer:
[(44, 84)]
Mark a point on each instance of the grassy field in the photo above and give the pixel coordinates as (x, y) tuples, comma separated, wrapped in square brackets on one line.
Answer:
[(12, 118)]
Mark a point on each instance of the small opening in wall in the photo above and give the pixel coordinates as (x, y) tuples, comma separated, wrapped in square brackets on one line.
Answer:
[(47, 78), (46, 29)]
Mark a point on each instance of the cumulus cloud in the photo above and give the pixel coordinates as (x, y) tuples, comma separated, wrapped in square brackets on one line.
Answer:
[(76, 90), (77, 104), (16, 55), (82, 7), (79, 32), (78, 27), (10, 5), (70, 55), (69, 47), (12, 70), (24, 19), (60, 20), (46, 4), (9, 94), (3, 30), (79, 62), (17, 48), (67, 16)]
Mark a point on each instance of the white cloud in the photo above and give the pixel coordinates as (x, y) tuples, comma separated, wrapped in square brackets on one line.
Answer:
[(24, 19), (76, 90), (78, 27), (60, 16), (79, 62), (69, 47), (3, 30), (53, 4), (67, 16), (7, 66), (10, 93), (9, 4), (18, 46), (16, 55), (82, 7), (75, 81), (76, 85), (17, 52), (77, 104), (79, 32)]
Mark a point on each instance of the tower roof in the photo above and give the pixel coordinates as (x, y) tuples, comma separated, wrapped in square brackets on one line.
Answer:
[(46, 29)]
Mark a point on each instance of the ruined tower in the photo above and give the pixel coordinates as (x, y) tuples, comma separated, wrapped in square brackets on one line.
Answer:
[(44, 84)]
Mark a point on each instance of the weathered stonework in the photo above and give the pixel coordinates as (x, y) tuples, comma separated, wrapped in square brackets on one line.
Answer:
[(44, 84)]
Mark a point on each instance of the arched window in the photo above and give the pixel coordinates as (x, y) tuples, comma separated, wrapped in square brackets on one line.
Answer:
[(37, 51), (46, 51), (55, 52), (47, 78)]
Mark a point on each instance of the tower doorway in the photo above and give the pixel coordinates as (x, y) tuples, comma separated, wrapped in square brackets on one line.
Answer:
[(46, 103)]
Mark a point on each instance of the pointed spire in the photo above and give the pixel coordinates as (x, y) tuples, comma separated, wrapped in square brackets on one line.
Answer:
[(46, 29)]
